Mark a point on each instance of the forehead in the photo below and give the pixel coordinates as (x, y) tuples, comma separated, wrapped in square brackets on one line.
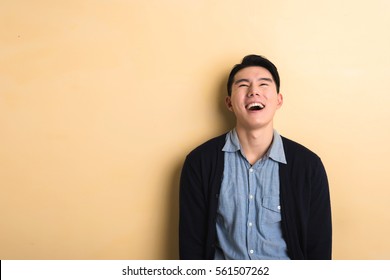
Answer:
[(254, 72)]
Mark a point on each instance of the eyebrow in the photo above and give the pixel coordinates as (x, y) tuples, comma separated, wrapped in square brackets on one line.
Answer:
[(246, 80)]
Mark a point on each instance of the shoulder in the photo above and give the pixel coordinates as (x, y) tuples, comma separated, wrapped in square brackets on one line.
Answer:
[(297, 152), (301, 161), (211, 146), (207, 154), (205, 159)]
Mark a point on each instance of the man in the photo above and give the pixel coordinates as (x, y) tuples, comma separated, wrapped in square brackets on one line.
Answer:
[(251, 193)]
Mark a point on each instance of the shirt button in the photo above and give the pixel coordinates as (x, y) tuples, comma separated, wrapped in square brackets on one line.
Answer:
[(251, 251), (250, 224), (279, 207), (251, 196), (251, 170)]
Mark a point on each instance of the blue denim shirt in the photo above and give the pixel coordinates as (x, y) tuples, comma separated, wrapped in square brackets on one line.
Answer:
[(248, 217)]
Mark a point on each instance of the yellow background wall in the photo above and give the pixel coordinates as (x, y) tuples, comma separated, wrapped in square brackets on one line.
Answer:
[(100, 101)]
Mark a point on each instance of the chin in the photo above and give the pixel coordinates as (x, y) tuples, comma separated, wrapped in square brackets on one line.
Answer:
[(257, 125)]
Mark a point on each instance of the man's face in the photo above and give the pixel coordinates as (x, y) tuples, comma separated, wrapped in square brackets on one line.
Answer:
[(254, 99)]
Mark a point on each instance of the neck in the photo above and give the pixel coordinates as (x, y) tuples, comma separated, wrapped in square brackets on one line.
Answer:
[(255, 143)]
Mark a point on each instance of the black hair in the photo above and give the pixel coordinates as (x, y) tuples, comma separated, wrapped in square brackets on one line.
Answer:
[(254, 60)]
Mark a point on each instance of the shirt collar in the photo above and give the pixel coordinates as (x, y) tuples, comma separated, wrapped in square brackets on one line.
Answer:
[(232, 143), (275, 152)]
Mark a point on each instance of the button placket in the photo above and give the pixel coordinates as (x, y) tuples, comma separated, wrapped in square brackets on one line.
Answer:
[(251, 208)]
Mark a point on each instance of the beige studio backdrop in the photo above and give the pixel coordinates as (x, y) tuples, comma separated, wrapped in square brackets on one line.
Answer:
[(100, 101)]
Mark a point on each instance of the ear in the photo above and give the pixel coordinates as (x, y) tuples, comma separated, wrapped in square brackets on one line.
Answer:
[(228, 102), (280, 100)]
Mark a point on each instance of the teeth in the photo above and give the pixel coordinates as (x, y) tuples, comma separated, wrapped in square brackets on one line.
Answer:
[(254, 105)]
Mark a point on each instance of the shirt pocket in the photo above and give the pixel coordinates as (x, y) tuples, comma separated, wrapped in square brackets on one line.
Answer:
[(271, 210)]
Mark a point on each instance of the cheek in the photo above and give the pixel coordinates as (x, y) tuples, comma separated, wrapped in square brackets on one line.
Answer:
[(274, 98), (235, 102)]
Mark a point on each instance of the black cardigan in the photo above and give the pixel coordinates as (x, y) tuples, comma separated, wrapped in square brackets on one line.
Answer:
[(304, 198)]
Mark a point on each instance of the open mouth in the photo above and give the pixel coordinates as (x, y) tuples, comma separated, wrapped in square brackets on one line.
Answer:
[(255, 107)]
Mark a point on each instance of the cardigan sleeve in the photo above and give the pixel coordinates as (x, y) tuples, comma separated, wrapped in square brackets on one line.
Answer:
[(306, 202), (193, 212), (200, 182), (319, 236)]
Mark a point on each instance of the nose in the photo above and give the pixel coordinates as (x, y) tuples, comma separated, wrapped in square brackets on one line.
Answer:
[(252, 92)]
